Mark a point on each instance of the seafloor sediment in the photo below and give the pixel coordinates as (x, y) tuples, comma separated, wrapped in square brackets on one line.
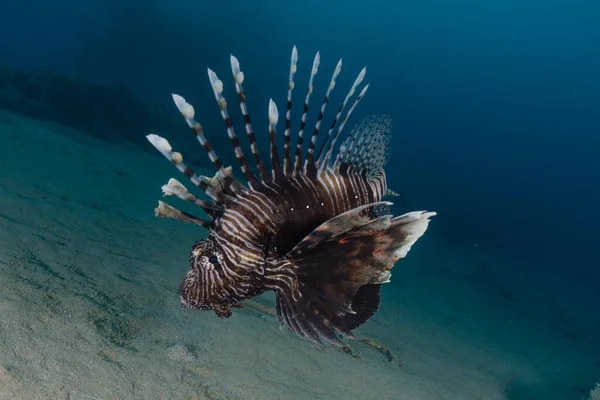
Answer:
[(89, 306)]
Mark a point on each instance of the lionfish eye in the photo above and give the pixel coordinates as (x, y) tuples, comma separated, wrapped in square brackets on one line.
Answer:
[(213, 259)]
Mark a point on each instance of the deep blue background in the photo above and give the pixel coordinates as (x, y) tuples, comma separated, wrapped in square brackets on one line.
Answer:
[(496, 103)]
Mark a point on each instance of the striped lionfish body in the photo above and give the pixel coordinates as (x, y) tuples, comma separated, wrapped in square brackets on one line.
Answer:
[(310, 229)]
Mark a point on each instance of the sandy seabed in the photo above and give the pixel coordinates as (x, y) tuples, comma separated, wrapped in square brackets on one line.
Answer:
[(89, 306)]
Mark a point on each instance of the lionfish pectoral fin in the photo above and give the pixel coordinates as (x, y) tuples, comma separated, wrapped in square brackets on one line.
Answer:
[(166, 211), (342, 223), (339, 276)]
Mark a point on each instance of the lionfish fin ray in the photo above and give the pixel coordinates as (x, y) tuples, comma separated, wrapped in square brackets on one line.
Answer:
[(309, 164), (309, 90), (326, 160), (276, 170), (287, 163), (163, 146), (166, 211), (176, 188), (217, 87), (238, 76), (309, 325), (187, 111), (320, 162)]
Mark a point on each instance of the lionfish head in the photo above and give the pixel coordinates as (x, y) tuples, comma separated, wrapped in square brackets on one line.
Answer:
[(200, 289)]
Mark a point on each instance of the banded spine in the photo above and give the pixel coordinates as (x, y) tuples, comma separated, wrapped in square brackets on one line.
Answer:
[(239, 79), (288, 115), (309, 90), (217, 86), (351, 92), (309, 167)]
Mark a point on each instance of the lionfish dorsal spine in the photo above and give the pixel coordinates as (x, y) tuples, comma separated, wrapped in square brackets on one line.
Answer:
[(309, 165), (309, 90), (238, 77), (350, 93), (276, 170), (324, 162), (223, 188), (187, 111), (164, 147), (217, 87), (288, 115)]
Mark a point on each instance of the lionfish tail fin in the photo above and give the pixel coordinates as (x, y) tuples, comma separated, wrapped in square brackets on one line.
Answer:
[(339, 269)]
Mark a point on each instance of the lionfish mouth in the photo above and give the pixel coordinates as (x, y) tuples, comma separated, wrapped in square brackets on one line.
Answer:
[(192, 306), (188, 299)]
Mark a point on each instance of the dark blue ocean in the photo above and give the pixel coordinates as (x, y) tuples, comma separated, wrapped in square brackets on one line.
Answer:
[(496, 127)]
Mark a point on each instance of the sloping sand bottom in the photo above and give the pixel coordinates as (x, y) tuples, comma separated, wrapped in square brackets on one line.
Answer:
[(89, 306)]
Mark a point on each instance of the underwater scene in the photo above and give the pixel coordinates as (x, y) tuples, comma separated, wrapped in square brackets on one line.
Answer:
[(239, 200)]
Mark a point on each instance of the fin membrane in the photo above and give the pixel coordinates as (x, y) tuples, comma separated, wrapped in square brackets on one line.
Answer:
[(339, 271), (367, 148)]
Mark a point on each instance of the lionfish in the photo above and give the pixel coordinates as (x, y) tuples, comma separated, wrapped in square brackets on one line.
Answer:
[(311, 229)]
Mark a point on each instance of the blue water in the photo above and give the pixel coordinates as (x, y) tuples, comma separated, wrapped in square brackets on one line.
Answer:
[(496, 107)]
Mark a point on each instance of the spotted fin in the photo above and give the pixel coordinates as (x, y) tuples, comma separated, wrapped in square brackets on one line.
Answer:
[(367, 148), (340, 267)]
